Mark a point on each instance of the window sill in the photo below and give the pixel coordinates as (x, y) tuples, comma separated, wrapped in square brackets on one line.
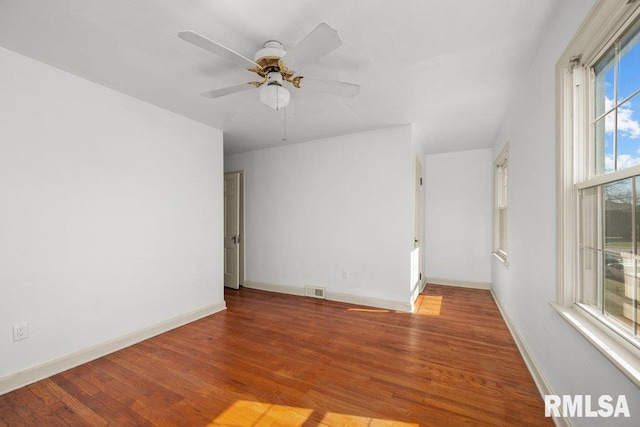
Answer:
[(622, 357), (502, 258)]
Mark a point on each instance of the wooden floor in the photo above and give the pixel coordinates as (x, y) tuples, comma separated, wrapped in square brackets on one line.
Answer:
[(273, 359)]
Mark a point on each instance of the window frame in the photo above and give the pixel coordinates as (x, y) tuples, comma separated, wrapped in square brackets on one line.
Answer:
[(501, 204), (606, 22)]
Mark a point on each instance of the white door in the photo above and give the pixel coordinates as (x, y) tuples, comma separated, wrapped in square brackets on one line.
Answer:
[(416, 272), (231, 229)]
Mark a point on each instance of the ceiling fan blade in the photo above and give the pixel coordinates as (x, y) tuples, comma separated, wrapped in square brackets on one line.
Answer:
[(347, 90), (227, 90), (316, 44), (218, 49)]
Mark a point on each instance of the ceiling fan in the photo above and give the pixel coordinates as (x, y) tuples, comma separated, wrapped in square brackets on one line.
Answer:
[(275, 66)]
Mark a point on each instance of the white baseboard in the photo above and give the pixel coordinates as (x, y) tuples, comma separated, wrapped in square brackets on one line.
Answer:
[(459, 283), (333, 296), (44, 370), (543, 386), (281, 289), (369, 301)]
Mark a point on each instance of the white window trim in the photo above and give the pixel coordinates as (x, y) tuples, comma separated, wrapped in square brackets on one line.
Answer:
[(500, 252), (602, 24)]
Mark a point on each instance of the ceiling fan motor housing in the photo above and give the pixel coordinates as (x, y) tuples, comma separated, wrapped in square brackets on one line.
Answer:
[(268, 59), (271, 48)]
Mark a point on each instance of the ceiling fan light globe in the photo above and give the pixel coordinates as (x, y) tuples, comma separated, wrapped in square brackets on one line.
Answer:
[(275, 96)]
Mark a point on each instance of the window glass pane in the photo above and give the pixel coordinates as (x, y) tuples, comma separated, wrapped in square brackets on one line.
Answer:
[(628, 133), (617, 216), (502, 224), (619, 280), (505, 182), (589, 223), (629, 68), (591, 260), (604, 84), (630, 310), (637, 225), (636, 299), (604, 144), (502, 186), (590, 277)]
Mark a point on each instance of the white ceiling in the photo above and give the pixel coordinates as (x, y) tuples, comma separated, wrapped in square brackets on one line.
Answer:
[(447, 67)]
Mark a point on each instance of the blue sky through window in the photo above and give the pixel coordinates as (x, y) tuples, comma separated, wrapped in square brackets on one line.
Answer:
[(628, 134), (629, 68), (627, 124)]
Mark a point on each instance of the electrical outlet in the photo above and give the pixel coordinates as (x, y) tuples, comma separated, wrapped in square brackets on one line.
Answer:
[(344, 275), (20, 331)]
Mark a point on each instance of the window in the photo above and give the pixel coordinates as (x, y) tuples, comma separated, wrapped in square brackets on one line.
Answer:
[(501, 172), (599, 174), (609, 214)]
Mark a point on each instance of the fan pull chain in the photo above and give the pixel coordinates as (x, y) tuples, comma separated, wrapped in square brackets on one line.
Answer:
[(284, 131)]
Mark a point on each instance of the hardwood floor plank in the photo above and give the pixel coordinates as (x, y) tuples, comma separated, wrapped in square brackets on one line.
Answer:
[(273, 359), (73, 403), (67, 414), (24, 408), (154, 402), (113, 402), (7, 411)]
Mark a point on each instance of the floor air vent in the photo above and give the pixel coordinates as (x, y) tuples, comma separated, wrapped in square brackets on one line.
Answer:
[(315, 292)]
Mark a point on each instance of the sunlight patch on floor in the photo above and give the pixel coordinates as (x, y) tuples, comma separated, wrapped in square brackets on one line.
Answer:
[(250, 413), (428, 305), (333, 419)]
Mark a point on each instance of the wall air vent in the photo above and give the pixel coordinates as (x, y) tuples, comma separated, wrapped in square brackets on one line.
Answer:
[(315, 292)]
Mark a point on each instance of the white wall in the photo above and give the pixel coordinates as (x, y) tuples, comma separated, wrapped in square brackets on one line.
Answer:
[(317, 209), (458, 217), (111, 216), (568, 362)]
